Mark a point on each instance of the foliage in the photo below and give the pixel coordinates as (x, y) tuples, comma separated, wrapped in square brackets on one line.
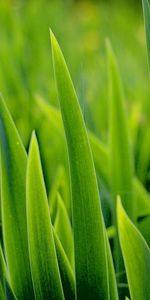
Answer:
[(81, 232)]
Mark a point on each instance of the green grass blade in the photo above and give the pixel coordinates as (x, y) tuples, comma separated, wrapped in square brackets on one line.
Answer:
[(111, 271), (9, 295), (100, 156), (136, 256), (13, 197), (142, 199), (90, 249), (3, 269), (3, 273), (60, 184), (121, 169), (146, 11), (43, 260), (4, 280), (2, 294), (63, 229), (67, 275)]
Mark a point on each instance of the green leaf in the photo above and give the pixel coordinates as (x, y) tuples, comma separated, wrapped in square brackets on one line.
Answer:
[(43, 260), (121, 169), (3, 269), (13, 197), (144, 157), (60, 185), (5, 288), (67, 275), (3, 273), (89, 236), (111, 271), (2, 293), (142, 199), (52, 113), (63, 229), (8, 291), (100, 156), (136, 254), (146, 11)]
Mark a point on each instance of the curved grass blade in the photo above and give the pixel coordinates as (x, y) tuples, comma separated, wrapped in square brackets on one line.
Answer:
[(142, 199), (60, 185), (136, 254), (67, 275), (3, 269), (121, 169), (9, 295), (5, 289), (100, 156), (43, 260), (89, 236), (3, 273), (111, 271), (2, 294), (13, 197), (63, 229), (146, 11), (52, 198)]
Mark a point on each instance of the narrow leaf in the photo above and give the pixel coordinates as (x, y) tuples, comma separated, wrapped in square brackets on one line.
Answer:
[(120, 148), (67, 275), (89, 237), (43, 260), (63, 229), (146, 11), (13, 197), (136, 254), (111, 271)]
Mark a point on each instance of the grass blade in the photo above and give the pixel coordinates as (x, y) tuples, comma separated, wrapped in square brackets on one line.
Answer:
[(89, 236), (136, 256), (146, 11), (63, 229), (120, 149), (13, 197), (111, 272), (3, 273), (60, 184), (67, 275), (44, 266)]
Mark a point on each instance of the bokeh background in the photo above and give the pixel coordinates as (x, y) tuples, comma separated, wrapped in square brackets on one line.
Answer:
[(81, 27)]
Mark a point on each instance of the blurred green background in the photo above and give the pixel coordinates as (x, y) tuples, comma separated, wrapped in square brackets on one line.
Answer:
[(81, 28)]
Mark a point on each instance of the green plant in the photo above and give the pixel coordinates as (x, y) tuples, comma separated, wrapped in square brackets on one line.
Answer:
[(57, 246)]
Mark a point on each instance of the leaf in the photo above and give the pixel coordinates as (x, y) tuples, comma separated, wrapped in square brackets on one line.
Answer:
[(60, 185), (5, 288), (146, 11), (63, 229), (8, 292), (143, 157), (52, 113), (3, 272), (142, 199), (136, 254), (13, 197), (67, 275), (3, 269), (121, 169), (100, 156), (111, 271), (89, 237), (43, 260)]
